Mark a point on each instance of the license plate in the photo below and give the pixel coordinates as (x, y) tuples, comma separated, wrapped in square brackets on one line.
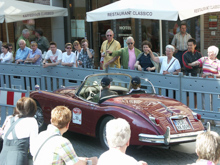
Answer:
[(181, 124)]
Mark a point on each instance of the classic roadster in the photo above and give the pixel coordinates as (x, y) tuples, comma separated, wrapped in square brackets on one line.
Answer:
[(154, 119)]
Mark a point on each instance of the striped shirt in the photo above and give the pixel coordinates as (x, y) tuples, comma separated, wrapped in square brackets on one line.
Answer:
[(57, 150), (210, 66), (180, 41)]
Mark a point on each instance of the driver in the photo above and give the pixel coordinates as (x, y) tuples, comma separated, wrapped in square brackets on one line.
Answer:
[(135, 86), (105, 83)]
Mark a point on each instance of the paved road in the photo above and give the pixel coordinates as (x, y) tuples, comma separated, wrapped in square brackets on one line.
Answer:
[(176, 155)]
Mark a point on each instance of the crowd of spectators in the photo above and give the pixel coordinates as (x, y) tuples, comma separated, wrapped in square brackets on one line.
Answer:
[(180, 56)]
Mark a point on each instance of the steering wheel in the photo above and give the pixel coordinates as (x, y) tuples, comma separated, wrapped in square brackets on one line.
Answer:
[(91, 93)]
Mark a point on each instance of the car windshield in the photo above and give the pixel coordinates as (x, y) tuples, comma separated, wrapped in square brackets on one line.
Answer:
[(92, 84)]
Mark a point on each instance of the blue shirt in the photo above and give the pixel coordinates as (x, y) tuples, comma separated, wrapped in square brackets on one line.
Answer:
[(33, 54), (22, 54)]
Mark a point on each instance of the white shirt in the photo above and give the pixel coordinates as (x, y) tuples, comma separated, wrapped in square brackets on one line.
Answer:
[(164, 66), (116, 157), (8, 58), (54, 58), (27, 127), (69, 58)]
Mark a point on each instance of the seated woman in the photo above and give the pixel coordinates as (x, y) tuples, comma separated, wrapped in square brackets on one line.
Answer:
[(35, 55), (210, 64), (6, 56), (135, 86), (207, 148), (169, 64), (144, 60)]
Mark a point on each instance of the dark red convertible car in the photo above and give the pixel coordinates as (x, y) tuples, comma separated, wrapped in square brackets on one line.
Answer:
[(154, 119)]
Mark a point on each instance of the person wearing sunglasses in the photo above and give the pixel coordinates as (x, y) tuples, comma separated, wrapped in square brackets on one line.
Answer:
[(68, 57), (109, 45), (86, 55), (128, 54)]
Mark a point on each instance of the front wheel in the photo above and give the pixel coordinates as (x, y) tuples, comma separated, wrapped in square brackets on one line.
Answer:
[(102, 132)]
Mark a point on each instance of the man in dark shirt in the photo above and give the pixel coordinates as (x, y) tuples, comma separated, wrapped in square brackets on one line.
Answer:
[(105, 83), (190, 56)]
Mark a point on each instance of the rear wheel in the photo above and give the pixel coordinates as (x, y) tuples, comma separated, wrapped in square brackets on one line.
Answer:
[(39, 116), (102, 132)]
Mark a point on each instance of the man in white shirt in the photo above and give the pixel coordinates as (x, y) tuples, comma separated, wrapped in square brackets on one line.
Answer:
[(54, 54), (68, 57), (118, 135)]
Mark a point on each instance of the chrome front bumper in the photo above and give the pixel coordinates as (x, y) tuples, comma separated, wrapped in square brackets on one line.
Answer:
[(169, 139)]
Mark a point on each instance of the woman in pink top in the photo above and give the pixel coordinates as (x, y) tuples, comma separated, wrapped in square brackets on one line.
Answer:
[(210, 65)]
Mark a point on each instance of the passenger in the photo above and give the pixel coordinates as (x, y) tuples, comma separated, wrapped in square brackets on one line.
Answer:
[(144, 60), (68, 57), (42, 42), (35, 54), (6, 56), (24, 36), (54, 54), (20, 133), (22, 52), (210, 64), (86, 56), (190, 56), (51, 147), (128, 55), (105, 83), (169, 64), (110, 45), (118, 135), (180, 42), (207, 148), (135, 86)]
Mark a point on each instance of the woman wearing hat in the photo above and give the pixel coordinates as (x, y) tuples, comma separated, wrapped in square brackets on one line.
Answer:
[(136, 86)]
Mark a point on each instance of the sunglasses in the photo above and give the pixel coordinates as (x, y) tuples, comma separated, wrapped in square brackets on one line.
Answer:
[(10, 48), (68, 48), (108, 35), (131, 43)]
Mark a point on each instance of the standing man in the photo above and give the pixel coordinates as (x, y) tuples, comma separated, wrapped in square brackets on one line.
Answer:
[(42, 42), (180, 42), (110, 45), (190, 56), (118, 133), (51, 147), (86, 55), (128, 55), (54, 54), (22, 52), (24, 36)]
